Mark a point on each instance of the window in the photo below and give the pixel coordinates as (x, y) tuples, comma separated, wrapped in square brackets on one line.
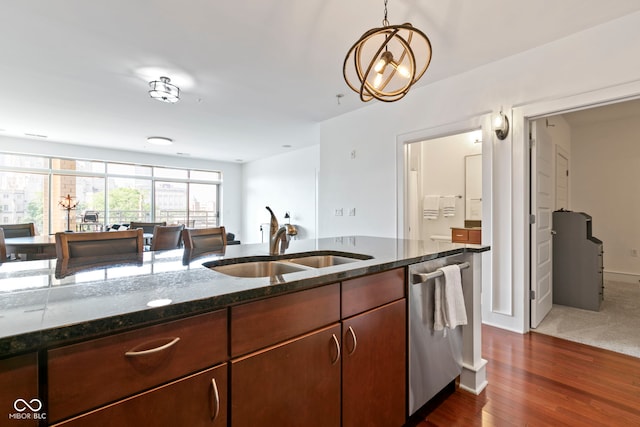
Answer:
[(31, 188)]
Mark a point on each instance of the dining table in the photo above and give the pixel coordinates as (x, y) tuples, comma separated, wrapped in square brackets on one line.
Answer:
[(32, 247), (42, 247)]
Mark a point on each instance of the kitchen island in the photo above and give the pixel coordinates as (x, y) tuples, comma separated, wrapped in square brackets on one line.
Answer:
[(52, 319)]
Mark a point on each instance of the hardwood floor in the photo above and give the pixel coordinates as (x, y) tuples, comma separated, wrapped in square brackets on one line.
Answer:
[(539, 380)]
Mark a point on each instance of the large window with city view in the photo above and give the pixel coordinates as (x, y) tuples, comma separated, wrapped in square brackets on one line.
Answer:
[(102, 194)]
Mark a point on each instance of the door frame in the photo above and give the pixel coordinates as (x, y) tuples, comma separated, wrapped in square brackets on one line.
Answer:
[(522, 201)]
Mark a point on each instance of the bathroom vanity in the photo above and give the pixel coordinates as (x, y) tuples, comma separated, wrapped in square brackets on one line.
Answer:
[(167, 342)]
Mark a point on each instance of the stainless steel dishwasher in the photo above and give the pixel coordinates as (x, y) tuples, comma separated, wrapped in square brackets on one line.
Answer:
[(435, 357)]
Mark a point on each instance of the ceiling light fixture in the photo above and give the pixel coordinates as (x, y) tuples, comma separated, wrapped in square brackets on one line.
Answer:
[(386, 65), (164, 91), (501, 125), (159, 140)]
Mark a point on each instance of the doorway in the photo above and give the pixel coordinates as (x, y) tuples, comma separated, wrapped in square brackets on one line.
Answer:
[(595, 162), (444, 187)]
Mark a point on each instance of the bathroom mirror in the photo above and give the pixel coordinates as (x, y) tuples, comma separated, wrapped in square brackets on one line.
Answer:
[(473, 190)]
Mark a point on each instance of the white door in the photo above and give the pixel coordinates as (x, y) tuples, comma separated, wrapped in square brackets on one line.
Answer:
[(541, 239), (562, 181)]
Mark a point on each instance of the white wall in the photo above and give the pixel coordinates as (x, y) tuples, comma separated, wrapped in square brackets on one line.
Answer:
[(605, 184), (285, 183), (231, 200), (597, 59)]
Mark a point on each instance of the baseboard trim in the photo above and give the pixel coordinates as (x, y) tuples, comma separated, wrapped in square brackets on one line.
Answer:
[(617, 276)]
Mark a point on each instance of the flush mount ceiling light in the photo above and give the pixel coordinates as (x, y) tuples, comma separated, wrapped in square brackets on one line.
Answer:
[(501, 125), (159, 140), (164, 91), (385, 63)]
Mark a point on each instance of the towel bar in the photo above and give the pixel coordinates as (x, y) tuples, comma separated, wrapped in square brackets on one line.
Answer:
[(423, 277)]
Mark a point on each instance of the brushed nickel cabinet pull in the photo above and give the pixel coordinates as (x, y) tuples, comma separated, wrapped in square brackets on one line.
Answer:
[(134, 353), (355, 340), (335, 341), (216, 400)]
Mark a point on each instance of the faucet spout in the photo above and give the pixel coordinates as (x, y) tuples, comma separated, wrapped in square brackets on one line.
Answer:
[(277, 235)]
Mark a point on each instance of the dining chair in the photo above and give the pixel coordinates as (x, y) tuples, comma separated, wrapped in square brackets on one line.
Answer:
[(18, 230), (94, 244), (199, 242), (3, 248), (205, 239), (166, 237), (146, 226)]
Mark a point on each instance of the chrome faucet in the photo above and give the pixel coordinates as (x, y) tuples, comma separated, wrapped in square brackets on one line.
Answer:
[(277, 235)]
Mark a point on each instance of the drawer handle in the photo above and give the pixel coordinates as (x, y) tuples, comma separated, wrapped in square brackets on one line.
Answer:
[(134, 353), (335, 341), (355, 340), (216, 400)]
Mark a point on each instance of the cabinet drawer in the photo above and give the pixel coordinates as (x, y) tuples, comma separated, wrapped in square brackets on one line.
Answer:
[(365, 293), (459, 235), (198, 400), (266, 322), (90, 374)]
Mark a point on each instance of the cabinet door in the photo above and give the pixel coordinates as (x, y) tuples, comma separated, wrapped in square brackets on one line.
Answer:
[(197, 400), (294, 384), (20, 404), (374, 367)]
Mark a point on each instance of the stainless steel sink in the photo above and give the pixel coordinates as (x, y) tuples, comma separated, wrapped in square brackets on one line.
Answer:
[(258, 269), (276, 265), (320, 261)]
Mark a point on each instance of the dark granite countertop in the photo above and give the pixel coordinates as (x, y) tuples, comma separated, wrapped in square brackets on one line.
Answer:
[(41, 306)]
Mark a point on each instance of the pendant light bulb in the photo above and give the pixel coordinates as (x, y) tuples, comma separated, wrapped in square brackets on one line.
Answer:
[(377, 81)]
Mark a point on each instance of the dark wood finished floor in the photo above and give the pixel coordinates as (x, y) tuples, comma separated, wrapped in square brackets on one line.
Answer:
[(539, 380)]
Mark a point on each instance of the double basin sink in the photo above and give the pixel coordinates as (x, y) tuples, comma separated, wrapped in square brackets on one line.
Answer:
[(268, 266)]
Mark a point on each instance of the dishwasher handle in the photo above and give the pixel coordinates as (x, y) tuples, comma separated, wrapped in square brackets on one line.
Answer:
[(418, 278)]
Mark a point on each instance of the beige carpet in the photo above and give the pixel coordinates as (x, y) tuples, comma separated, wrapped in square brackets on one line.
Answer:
[(615, 327)]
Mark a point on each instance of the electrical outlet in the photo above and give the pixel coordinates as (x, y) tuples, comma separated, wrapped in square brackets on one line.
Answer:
[(352, 212), (339, 212), (353, 154)]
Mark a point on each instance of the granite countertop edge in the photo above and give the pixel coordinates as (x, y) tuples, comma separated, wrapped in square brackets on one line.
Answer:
[(95, 328)]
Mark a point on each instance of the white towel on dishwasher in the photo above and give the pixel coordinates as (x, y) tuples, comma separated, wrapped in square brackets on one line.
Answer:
[(449, 308)]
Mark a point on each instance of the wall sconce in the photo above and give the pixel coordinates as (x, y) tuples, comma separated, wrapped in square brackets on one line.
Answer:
[(501, 125)]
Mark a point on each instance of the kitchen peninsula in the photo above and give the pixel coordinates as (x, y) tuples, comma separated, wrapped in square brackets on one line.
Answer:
[(179, 341)]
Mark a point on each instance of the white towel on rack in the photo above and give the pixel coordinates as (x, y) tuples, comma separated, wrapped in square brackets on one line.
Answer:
[(430, 207), (448, 205), (449, 309)]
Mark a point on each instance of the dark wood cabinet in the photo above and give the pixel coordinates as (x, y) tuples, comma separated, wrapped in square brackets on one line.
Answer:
[(19, 387), (374, 367), (93, 373), (197, 400), (296, 383), (374, 350)]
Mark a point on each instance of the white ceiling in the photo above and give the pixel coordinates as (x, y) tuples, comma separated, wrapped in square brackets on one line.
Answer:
[(254, 75)]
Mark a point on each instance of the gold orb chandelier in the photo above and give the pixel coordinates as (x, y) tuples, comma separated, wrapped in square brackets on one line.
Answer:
[(387, 61)]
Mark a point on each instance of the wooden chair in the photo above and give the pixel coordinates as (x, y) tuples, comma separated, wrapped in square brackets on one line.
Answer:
[(18, 230), (95, 244), (3, 248), (205, 239), (199, 242), (167, 237), (146, 226)]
